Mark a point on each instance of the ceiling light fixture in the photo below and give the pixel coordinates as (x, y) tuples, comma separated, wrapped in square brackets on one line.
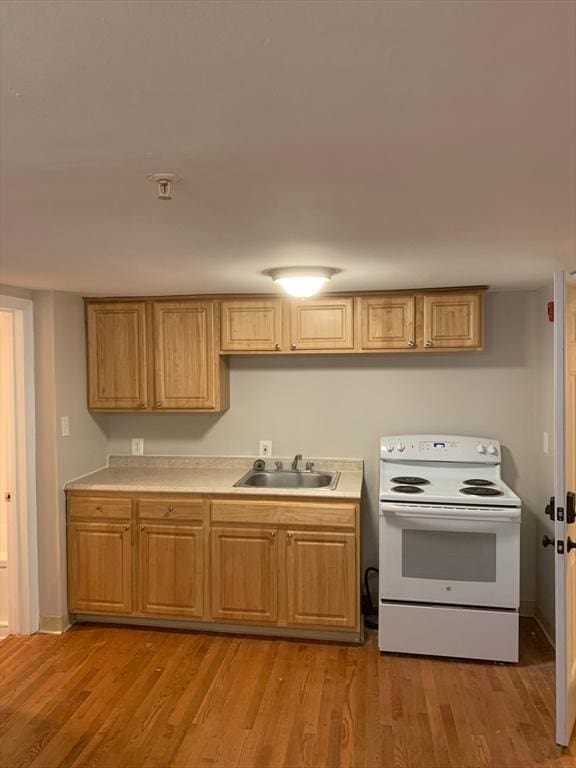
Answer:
[(164, 181), (302, 282)]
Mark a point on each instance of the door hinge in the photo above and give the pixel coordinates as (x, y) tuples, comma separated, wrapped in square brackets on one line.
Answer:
[(571, 507), (549, 509), (560, 547)]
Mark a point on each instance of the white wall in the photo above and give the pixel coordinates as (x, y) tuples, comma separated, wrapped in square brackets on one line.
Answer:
[(60, 391), (340, 406)]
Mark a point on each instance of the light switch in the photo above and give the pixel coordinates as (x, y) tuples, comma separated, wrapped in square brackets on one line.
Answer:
[(64, 426), (137, 446)]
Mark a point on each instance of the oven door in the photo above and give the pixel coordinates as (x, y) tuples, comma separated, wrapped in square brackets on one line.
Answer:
[(462, 556)]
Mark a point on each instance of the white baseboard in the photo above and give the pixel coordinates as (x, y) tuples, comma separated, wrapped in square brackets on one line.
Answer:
[(54, 625)]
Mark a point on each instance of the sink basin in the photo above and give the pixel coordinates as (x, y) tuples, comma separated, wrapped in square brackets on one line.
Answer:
[(288, 479)]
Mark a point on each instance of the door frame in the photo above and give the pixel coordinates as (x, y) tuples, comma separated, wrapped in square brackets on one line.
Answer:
[(23, 587)]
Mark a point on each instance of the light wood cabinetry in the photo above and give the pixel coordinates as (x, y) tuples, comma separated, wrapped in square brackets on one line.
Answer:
[(282, 562), (322, 579), (100, 567), (322, 324), (172, 569), (251, 325), (387, 322), (245, 574), (185, 356), (155, 355), (117, 355), (452, 321)]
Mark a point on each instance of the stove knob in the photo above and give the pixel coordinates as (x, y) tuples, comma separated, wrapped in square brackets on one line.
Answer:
[(389, 447), (492, 450), (481, 448), (400, 447)]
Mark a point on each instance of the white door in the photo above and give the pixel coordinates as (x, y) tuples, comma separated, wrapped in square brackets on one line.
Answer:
[(564, 488)]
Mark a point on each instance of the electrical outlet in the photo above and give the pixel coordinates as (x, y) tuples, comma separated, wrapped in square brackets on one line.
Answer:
[(137, 446), (64, 426), (265, 448), (545, 442)]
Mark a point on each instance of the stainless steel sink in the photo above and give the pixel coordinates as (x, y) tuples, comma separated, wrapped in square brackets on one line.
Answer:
[(288, 479)]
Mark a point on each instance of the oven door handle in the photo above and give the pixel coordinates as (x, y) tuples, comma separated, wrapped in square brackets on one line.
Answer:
[(511, 514), (457, 516)]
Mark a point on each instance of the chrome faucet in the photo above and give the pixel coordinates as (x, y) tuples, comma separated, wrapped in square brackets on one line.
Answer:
[(297, 458)]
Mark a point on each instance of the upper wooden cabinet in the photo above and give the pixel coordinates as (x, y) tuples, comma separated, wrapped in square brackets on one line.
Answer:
[(322, 324), (387, 322), (252, 325), (185, 356), (452, 321), (117, 355), (155, 355)]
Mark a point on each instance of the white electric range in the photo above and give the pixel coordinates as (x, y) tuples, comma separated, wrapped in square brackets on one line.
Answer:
[(449, 548)]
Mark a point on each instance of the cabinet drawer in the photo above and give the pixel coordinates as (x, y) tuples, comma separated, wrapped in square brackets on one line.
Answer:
[(99, 508), (275, 513), (172, 509)]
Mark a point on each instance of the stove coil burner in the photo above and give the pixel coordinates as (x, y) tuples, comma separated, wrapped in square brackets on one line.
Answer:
[(407, 489), (480, 491), (478, 483), (410, 481)]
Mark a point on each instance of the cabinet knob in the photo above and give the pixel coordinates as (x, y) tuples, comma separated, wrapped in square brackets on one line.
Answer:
[(292, 346), (126, 527), (277, 347), (272, 534), (428, 343), (141, 404), (170, 508), (289, 535), (411, 344), (98, 508), (157, 404)]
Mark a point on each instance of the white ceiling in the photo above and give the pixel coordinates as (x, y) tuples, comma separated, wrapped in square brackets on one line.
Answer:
[(407, 143)]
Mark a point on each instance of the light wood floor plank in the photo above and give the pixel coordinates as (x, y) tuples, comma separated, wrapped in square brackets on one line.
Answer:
[(129, 697)]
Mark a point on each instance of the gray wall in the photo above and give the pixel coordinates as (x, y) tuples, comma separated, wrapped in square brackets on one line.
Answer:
[(340, 406), (60, 362), (543, 339)]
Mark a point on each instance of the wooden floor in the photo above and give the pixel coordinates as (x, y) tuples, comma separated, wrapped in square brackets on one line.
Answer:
[(130, 697)]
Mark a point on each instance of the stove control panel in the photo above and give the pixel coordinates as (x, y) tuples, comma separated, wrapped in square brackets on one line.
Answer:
[(440, 448)]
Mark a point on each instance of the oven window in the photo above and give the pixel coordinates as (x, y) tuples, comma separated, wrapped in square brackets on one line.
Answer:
[(449, 555)]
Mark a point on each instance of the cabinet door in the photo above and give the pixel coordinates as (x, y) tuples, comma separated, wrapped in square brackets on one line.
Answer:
[(245, 574), (251, 326), (322, 581), (172, 566), (184, 355), (453, 321), (100, 567), (387, 322), (116, 349), (322, 324)]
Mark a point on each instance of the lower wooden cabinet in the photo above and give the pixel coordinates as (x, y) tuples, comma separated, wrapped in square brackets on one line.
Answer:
[(321, 579), (245, 574), (172, 570), (100, 567), (285, 563)]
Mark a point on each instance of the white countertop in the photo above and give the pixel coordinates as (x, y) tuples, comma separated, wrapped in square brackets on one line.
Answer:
[(214, 475)]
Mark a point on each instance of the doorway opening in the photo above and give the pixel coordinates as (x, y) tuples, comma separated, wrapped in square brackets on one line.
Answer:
[(19, 611)]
